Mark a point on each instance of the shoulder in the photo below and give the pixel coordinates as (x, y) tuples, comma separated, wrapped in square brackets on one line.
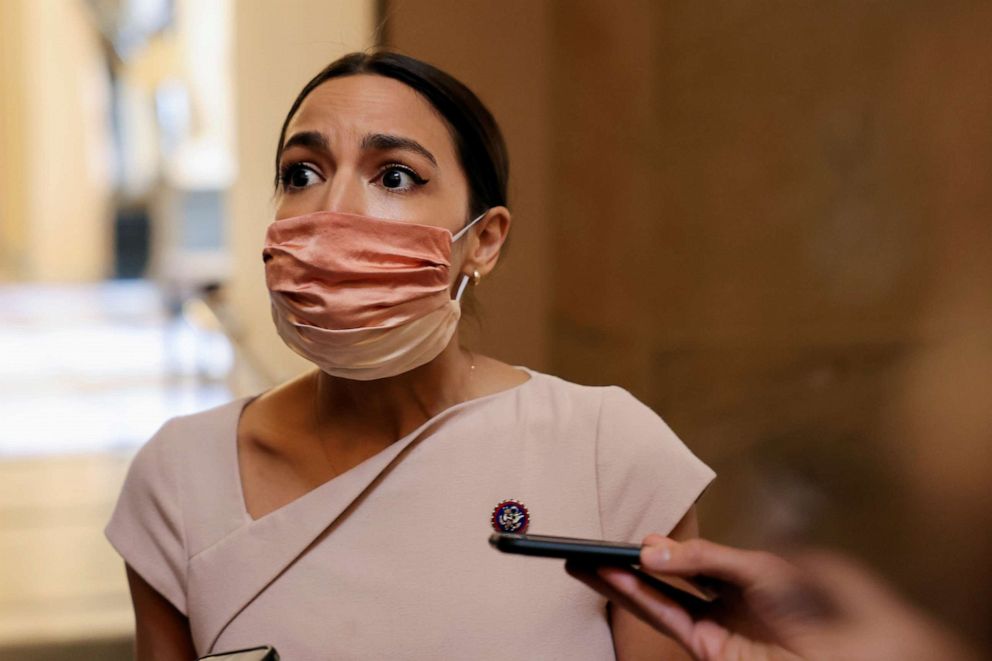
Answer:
[(185, 456), (216, 421), (633, 439), (175, 473), (613, 410), (565, 394), (646, 477), (622, 428), (197, 433), (627, 425)]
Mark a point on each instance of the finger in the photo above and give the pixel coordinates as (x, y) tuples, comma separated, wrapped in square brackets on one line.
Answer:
[(700, 556), (853, 588), (627, 591), (588, 574), (654, 539)]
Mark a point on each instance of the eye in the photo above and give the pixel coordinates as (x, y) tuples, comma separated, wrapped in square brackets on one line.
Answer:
[(297, 176), (400, 178)]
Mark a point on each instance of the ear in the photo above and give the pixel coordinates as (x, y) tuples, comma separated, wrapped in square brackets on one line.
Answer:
[(486, 241)]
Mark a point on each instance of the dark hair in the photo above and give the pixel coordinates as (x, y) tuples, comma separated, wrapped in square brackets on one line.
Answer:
[(478, 141)]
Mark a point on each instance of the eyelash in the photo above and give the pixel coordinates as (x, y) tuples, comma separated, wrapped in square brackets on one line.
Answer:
[(289, 169), (417, 179)]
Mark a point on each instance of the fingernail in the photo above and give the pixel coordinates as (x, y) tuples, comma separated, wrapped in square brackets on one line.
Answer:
[(656, 555)]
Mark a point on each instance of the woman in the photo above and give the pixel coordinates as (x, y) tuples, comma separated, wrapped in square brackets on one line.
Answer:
[(345, 514)]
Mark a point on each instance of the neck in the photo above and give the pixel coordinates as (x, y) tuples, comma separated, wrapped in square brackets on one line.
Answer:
[(395, 406)]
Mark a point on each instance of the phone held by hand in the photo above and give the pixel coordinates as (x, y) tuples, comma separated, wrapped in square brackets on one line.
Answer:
[(263, 653), (690, 593), (582, 550)]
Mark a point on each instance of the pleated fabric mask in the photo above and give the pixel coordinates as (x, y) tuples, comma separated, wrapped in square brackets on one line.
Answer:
[(361, 297)]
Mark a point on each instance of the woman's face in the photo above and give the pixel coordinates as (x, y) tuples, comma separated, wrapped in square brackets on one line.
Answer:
[(370, 145)]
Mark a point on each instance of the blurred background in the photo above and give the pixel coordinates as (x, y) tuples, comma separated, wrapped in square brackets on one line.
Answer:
[(771, 221)]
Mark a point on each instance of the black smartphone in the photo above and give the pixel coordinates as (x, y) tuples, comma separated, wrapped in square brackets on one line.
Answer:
[(695, 594), (263, 653), (582, 550)]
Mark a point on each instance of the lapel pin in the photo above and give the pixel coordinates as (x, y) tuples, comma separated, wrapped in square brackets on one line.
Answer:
[(510, 516)]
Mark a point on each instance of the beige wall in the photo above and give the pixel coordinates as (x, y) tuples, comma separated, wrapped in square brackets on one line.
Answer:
[(13, 230), (56, 222), (279, 46)]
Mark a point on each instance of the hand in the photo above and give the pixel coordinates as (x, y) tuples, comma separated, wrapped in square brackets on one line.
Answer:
[(822, 606)]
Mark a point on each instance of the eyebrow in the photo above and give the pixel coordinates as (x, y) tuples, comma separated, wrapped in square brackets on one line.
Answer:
[(377, 141), (386, 141), (311, 139)]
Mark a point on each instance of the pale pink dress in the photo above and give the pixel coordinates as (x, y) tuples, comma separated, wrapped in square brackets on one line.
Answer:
[(390, 560)]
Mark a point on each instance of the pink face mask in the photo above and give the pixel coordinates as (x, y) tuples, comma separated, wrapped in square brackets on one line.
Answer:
[(362, 298)]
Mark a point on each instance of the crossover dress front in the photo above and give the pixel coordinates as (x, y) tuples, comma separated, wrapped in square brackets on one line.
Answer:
[(390, 560)]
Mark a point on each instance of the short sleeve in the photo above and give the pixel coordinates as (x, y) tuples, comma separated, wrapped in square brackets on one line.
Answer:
[(646, 477), (146, 527)]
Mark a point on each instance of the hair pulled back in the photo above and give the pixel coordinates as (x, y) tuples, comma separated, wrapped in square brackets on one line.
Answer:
[(478, 141)]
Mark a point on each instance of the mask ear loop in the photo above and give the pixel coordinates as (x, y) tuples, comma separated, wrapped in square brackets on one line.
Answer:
[(460, 234), (462, 231), (461, 287)]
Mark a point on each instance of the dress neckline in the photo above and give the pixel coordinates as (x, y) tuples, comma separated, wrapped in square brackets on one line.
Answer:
[(243, 403)]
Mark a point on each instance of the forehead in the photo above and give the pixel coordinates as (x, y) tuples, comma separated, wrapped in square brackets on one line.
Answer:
[(353, 106)]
